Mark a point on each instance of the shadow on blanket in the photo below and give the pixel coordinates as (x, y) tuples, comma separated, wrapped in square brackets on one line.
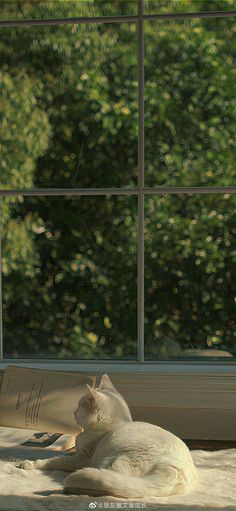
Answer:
[(15, 455)]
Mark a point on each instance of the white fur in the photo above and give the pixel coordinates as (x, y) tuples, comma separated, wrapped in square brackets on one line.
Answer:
[(119, 457)]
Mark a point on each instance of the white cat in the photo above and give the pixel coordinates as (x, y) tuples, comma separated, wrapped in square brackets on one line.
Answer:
[(119, 457)]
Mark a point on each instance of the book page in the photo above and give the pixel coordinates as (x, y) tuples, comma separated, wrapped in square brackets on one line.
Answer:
[(41, 400), (14, 437)]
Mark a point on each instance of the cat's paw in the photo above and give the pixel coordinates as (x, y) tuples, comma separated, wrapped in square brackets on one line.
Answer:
[(27, 465)]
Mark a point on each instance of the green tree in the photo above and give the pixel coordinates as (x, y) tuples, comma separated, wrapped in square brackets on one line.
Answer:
[(70, 120)]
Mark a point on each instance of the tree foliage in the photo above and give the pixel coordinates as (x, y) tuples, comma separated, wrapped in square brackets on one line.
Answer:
[(70, 119)]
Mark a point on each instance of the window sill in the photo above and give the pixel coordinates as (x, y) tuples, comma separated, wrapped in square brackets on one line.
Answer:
[(218, 367)]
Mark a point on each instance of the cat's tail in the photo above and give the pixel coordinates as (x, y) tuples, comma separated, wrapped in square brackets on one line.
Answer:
[(160, 481)]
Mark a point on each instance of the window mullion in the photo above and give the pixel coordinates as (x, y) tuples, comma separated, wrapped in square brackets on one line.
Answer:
[(140, 183), (54, 192), (1, 337)]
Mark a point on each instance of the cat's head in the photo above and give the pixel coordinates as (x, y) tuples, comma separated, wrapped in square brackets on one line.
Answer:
[(102, 408)]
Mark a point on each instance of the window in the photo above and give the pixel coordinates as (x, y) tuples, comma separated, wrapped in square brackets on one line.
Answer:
[(118, 221)]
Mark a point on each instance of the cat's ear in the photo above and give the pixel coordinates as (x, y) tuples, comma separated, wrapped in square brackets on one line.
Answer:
[(92, 397), (106, 384)]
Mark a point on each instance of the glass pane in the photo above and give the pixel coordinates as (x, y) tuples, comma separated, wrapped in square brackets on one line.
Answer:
[(174, 6), (69, 277), (42, 9), (69, 96), (190, 276), (190, 102)]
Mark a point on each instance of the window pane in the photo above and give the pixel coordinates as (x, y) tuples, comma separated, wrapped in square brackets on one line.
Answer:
[(69, 96), (174, 6), (190, 276), (42, 9), (69, 277), (190, 102)]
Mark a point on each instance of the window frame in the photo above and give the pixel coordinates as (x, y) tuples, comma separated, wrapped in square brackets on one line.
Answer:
[(140, 192)]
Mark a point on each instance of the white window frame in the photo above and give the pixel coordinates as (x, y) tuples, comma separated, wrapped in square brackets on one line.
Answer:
[(202, 382)]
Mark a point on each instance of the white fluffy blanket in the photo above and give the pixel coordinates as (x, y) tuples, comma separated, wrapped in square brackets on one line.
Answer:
[(42, 490)]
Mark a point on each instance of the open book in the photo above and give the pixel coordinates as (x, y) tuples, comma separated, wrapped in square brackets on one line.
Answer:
[(37, 405)]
